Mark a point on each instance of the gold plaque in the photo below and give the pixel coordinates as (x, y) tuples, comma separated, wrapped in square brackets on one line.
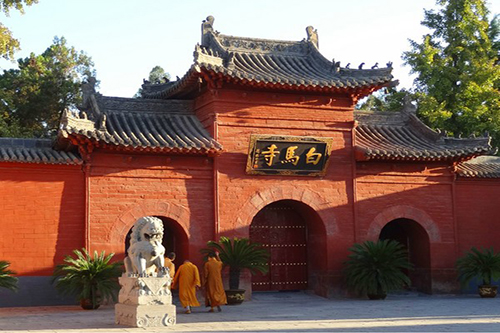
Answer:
[(288, 155)]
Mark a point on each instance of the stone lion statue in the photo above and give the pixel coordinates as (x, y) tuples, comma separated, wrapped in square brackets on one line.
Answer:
[(146, 253)]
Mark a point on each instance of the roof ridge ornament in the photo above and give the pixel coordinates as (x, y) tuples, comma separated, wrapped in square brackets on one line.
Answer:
[(312, 35), (207, 28), (335, 66), (408, 106), (88, 89)]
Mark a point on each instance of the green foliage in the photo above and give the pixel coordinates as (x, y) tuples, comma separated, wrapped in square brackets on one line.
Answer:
[(8, 44), (238, 254), (34, 96), (457, 68), (88, 277), (157, 75), (484, 264), (377, 267), (388, 100), (6, 279), (6, 5)]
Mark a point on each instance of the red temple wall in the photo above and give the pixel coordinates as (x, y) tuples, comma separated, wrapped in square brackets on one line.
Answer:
[(44, 208), (418, 192), (477, 210), (42, 215), (239, 114), (126, 187)]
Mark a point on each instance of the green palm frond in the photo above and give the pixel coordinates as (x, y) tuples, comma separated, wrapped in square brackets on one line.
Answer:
[(240, 253), (88, 277), (6, 279), (377, 267), (484, 264)]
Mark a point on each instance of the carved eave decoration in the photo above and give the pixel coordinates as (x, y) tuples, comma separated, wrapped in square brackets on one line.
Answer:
[(269, 64)]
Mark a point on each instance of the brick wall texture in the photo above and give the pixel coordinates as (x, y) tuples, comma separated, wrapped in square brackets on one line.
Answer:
[(47, 211)]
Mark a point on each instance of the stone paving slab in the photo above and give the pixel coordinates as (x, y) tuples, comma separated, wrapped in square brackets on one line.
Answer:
[(284, 312)]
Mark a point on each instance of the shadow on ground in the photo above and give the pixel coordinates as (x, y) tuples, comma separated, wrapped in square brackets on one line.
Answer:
[(285, 312)]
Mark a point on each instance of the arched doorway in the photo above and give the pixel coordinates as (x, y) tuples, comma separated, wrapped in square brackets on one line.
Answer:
[(174, 240), (285, 228), (416, 240)]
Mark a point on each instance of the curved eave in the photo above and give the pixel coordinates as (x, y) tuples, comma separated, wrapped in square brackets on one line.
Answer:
[(481, 167), (28, 156), (366, 154), (187, 84), (83, 140), (191, 81), (269, 83), (477, 174)]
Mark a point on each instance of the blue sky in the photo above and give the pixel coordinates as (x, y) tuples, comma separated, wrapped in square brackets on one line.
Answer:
[(127, 38)]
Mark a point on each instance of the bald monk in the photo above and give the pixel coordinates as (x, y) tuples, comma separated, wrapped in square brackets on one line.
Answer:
[(187, 279), (212, 281)]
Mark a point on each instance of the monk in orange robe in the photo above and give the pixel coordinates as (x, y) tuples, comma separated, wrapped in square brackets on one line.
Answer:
[(187, 279), (170, 264), (212, 280)]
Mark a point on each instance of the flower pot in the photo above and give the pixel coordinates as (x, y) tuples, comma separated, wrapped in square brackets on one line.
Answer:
[(235, 296), (487, 291), (377, 296), (86, 304)]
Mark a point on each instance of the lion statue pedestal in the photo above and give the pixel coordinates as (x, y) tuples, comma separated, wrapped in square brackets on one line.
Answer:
[(145, 302), (145, 299)]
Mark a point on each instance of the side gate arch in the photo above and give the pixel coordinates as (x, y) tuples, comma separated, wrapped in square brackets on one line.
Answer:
[(173, 214), (403, 212), (416, 231)]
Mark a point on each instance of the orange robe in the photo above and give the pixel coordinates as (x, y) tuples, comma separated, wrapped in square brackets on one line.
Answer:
[(171, 267), (214, 290), (186, 280)]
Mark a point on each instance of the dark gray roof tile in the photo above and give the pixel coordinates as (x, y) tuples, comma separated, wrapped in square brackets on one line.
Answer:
[(480, 167), (34, 151), (141, 124), (402, 136)]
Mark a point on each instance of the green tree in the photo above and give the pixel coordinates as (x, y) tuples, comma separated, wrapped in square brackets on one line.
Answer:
[(8, 44), (33, 96), (157, 75), (389, 99), (457, 68)]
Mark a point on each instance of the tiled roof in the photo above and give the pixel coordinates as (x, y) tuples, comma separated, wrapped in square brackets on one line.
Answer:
[(139, 124), (480, 167), (296, 65), (34, 151), (402, 136)]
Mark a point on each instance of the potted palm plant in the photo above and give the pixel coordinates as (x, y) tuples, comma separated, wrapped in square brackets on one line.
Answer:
[(239, 254), (90, 278), (6, 279), (485, 265), (375, 268)]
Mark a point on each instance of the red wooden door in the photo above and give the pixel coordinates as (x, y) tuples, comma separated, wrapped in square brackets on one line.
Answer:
[(280, 229)]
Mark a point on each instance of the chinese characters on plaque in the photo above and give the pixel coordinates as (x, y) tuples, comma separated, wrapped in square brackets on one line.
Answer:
[(288, 155)]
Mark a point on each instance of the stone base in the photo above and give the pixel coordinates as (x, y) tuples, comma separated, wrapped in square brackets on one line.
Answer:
[(145, 315), (145, 302)]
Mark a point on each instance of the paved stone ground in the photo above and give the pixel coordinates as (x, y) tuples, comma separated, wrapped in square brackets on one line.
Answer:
[(284, 312)]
